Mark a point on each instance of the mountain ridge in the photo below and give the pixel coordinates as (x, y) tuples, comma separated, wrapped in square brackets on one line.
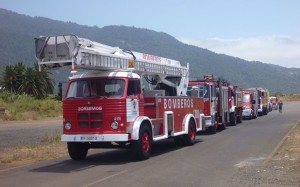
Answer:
[(17, 33)]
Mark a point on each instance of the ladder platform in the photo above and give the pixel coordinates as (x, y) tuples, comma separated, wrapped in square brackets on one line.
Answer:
[(70, 50)]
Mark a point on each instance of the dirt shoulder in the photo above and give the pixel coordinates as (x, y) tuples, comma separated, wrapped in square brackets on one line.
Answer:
[(282, 168)]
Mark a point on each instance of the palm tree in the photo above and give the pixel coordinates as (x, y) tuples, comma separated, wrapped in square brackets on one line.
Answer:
[(28, 80), (47, 82)]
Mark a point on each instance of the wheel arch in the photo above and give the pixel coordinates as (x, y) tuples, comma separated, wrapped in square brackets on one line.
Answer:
[(141, 120), (186, 122)]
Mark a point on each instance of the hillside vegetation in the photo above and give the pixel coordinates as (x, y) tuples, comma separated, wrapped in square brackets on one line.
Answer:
[(17, 33)]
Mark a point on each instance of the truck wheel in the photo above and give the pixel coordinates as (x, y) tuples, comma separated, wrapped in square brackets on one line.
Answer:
[(240, 119), (212, 130), (222, 126), (251, 116), (141, 148), (254, 116), (232, 119), (178, 140), (78, 150), (189, 139)]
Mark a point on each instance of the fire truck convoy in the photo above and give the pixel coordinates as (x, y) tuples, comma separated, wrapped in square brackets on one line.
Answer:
[(124, 98), (222, 102)]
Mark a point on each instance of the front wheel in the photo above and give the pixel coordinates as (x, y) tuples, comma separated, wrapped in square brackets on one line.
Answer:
[(78, 150), (141, 148)]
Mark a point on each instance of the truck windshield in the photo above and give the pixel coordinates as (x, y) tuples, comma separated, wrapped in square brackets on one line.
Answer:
[(95, 88), (205, 91), (198, 91), (246, 98)]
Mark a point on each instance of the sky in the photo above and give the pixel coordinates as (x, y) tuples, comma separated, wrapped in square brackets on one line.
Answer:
[(256, 30)]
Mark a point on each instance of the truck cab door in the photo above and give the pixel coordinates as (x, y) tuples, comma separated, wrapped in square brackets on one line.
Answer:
[(133, 99)]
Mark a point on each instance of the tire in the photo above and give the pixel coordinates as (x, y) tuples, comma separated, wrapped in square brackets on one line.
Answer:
[(178, 140), (222, 126), (254, 116), (251, 116), (233, 119), (212, 130), (141, 148), (189, 139), (240, 119), (78, 150)]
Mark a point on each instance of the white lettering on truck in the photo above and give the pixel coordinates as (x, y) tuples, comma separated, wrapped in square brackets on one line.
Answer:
[(178, 103), (89, 108)]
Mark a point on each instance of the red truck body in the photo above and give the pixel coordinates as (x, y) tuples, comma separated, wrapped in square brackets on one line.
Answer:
[(222, 102)]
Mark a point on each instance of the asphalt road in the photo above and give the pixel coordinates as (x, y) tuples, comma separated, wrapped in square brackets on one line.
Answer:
[(215, 160), (15, 133)]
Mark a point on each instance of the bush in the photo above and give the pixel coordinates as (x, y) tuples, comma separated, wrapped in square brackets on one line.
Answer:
[(24, 107)]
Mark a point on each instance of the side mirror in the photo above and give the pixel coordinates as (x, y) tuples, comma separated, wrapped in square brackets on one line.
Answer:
[(253, 102)]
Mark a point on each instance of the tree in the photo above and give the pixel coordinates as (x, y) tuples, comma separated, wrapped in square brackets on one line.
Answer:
[(28, 80)]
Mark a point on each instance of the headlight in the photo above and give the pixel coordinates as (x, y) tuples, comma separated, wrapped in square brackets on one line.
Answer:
[(68, 126), (114, 125)]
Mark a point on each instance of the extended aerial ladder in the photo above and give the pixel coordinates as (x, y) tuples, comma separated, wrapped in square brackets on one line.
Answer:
[(80, 53)]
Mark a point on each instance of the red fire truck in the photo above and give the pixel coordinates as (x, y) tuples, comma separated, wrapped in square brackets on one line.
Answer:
[(274, 103), (250, 104), (123, 98), (222, 102), (262, 100)]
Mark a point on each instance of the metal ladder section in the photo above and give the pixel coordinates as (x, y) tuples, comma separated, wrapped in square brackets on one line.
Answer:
[(117, 63), (70, 50)]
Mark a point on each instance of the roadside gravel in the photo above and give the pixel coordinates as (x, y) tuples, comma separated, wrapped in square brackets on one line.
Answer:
[(281, 169), (22, 133)]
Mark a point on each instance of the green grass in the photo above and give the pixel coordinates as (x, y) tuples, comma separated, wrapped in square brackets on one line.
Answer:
[(292, 97), (52, 138), (24, 107)]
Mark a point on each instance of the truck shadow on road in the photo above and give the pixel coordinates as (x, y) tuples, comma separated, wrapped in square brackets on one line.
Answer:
[(113, 157)]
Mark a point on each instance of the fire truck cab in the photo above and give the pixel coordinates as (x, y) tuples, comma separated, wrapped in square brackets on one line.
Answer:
[(274, 103), (222, 102), (250, 106)]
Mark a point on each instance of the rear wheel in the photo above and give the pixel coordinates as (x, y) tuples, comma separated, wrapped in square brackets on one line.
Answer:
[(222, 126), (142, 147), (212, 130), (240, 119), (233, 119), (78, 150), (189, 139)]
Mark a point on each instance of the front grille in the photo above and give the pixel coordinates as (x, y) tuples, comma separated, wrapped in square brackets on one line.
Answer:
[(96, 124), (83, 124), (96, 115), (90, 120), (83, 116)]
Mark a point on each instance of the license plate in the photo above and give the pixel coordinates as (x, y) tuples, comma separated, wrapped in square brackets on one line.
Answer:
[(89, 138)]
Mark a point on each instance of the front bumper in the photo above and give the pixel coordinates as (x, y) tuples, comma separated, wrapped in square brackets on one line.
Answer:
[(94, 138), (208, 121), (247, 113)]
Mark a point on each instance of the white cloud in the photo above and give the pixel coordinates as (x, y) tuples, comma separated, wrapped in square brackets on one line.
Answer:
[(279, 50)]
